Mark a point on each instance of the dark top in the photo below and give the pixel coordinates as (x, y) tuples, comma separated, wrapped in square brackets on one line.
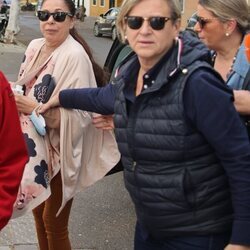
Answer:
[(208, 107), (199, 101)]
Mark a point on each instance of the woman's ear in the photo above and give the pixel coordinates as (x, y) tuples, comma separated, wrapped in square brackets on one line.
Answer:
[(73, 21), (177, 25), (230, 27)]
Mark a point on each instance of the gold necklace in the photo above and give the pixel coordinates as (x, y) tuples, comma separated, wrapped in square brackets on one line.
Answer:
[(232, 65)]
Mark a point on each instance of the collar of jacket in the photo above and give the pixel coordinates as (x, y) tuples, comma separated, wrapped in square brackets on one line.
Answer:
[(186, 49)]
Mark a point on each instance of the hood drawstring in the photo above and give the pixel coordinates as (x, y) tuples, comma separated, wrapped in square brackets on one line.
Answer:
[(178, 61)]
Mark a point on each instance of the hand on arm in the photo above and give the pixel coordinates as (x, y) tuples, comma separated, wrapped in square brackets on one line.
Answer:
[(236, 247), (242, 101), (51, 114), (53, 102), (104, 122)]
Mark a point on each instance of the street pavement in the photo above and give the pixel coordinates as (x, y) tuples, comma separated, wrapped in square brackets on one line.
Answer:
[(102, 217)]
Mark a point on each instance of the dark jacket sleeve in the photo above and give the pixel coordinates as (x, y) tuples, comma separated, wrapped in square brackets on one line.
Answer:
[(209, 107), (13, 154), (98, 100)]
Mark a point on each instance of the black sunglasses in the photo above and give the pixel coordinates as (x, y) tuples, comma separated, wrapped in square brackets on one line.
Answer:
[(59, 16), (203, 21), (156, 22)]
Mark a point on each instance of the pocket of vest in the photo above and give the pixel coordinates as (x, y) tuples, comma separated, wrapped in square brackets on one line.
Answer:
[(189, 189), (180, 190)]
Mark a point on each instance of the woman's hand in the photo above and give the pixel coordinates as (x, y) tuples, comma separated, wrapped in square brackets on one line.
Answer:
[(236, 247), (104, 122), (53, 102), (25, 104), (242, 101)]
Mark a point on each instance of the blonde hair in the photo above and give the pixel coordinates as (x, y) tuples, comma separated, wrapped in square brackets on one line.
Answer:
[(226, 10), (127, 6)]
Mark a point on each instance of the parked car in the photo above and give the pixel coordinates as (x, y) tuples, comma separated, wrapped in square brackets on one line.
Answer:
[(28, 7), (105, 24)]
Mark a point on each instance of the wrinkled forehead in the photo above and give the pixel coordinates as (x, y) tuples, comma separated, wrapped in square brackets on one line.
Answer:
[(148, 8)]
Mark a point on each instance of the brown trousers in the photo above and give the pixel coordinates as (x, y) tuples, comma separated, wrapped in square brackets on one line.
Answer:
[(52, 231)]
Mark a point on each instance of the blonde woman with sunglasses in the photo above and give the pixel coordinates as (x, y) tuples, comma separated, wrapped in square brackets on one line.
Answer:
[(222, 26), (60, 160), (185, 152)]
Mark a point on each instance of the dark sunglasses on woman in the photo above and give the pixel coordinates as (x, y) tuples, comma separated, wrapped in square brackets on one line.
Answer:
[(156, 22), (203, 21), (59, 16)]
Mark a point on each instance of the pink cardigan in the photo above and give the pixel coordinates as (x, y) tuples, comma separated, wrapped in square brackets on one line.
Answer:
[(82, 153)]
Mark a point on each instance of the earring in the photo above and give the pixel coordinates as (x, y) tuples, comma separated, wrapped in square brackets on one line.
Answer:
[(125, 39), (227, 34)]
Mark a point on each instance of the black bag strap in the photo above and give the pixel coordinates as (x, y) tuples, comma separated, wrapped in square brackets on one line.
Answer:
[(246, 83)]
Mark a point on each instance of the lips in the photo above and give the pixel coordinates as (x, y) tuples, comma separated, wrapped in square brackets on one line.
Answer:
[(145, 42), (50, 30)]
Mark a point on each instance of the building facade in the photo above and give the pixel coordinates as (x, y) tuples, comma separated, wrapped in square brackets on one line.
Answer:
[(98, 7), (188, 9)]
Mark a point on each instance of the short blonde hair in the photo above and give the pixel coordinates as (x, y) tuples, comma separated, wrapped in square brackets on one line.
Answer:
[(226, 10), (127, 6)]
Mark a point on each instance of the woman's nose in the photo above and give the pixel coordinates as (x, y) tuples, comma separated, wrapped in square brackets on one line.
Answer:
[(51, 19), (146, 27), (197, 27)]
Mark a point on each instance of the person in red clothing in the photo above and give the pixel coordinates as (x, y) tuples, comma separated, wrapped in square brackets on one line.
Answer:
[(13, 151)]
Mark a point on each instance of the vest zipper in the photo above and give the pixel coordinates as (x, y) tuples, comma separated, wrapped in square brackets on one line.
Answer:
[(134, 164)]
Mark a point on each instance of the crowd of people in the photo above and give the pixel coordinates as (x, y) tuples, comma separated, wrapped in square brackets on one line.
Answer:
[(178, 125)]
